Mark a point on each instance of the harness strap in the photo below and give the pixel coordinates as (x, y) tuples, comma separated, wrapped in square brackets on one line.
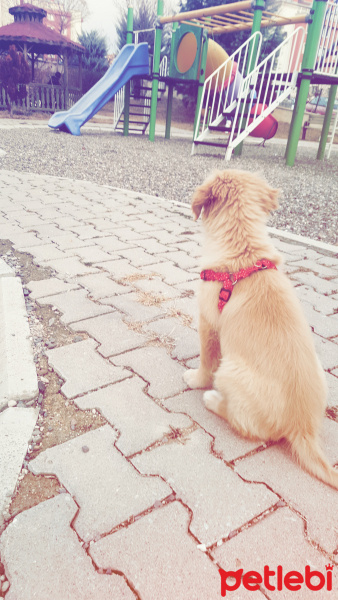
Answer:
[(230, 279)]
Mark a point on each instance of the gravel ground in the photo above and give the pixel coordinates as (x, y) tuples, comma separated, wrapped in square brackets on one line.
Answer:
[(308, 205)]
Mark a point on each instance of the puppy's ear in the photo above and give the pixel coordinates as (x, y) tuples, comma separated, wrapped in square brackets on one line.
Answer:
[(200, 199), (204, 196)]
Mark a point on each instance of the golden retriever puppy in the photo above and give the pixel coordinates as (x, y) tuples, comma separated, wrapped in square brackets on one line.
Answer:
[(257, 352)]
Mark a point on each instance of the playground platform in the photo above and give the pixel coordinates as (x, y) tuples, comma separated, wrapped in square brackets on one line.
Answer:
[(127, 487)]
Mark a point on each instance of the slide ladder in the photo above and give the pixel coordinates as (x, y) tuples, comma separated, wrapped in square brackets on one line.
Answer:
[(255, 92), (140, 101)]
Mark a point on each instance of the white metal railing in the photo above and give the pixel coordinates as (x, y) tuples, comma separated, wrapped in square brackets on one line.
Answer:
[(136, 33), (327, 53), (221, 87), (163, 72), (262, 90), (119, 96), (118, 106)]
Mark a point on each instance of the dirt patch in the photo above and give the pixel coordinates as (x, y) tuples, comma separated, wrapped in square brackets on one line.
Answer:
[(59, 419)]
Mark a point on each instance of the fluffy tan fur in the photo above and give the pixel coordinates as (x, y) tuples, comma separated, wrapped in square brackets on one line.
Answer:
[(257, 354)]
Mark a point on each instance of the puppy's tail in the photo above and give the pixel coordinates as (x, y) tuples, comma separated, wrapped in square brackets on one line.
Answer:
[(311, 457)]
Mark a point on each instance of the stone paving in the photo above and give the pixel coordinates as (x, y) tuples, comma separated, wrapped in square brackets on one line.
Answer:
[(153, 503)]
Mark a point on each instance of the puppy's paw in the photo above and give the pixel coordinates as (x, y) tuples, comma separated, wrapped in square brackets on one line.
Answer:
[(195, 379), (212, 400)]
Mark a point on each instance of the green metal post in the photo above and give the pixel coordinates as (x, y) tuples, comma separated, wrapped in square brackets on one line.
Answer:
[(169, 110), (201, 80), (127, 86), (156, 69), (171, 86), (317, 14), (256, 26), (327, 121)]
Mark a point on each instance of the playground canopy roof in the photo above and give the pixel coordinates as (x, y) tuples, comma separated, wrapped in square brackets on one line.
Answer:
[(228, 18)]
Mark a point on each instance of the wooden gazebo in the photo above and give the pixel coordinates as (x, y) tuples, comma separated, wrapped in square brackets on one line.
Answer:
[(29, 34)]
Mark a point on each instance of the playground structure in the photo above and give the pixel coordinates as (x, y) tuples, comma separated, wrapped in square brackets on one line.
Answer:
[(235, 95), (247, 90)]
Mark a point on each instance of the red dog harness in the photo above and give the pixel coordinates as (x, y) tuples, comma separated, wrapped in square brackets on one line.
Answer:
[(230, 279)]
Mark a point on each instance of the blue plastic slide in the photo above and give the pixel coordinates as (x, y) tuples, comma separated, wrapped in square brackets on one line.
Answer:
[(131, 60)]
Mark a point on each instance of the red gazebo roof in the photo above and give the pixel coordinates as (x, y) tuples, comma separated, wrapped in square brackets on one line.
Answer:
[(28, 27)]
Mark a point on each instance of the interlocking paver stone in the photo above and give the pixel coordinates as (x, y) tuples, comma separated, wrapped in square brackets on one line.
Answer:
[(44, 252), (22, 240), (139, 419), (170, 273), (329, 261), (227, 443), (44, 558), (317, 267), (164, 237), (91, 254), (48, 230), (75, 305), (133, 306), (332, 382), (86, 232), (128, 235), (285, 248), (83, 368), (180, 258), (68, 241), (151, 245), (138, 257), (322, 324), (319, 285), (186, 339), (316, 501), (279, 539), (157, 287), (113, 244), (119, 268), (219, 499), (184, 307), (70, 266), (101, 286), (49, 287), (155, 366), (304, 253), (107, 488), (112, 333), (27, 219), (181, 573), (191, 247), (326, 305), (327, 352)]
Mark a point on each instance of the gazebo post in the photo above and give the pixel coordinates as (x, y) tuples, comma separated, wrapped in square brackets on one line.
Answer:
[(80, 72), (33, 64), (65, 77)]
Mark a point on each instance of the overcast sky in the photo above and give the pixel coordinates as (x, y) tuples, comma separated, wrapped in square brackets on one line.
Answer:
[(103, 16)]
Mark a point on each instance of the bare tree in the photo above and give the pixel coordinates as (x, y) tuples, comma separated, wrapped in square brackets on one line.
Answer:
[(65, 12), (69, 11)]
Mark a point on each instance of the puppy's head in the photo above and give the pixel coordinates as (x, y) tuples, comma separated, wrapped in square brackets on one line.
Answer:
[(234, 191)]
